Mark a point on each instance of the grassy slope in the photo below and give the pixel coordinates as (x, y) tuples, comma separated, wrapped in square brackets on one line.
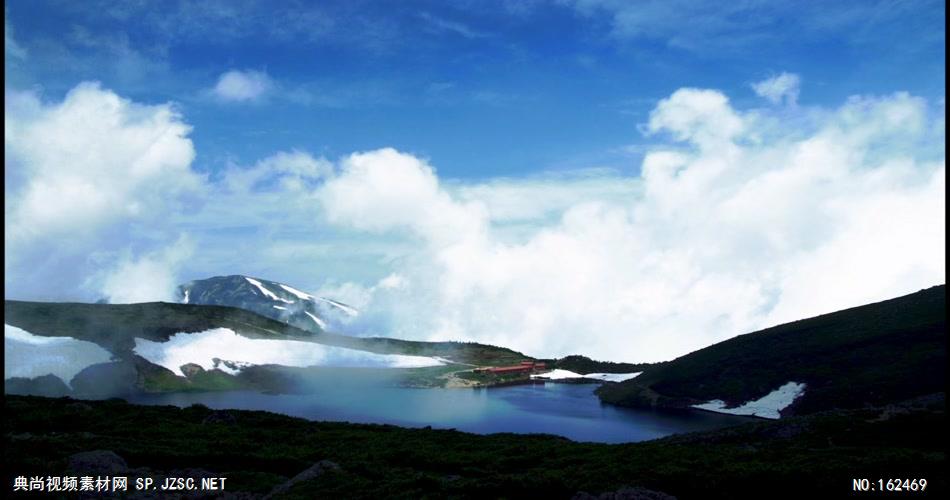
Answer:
[(816, 455), (868, 355)]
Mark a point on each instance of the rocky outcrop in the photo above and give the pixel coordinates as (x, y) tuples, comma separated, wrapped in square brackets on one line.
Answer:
[(191, 369), (220, 417), (316, 470), (104, 380)]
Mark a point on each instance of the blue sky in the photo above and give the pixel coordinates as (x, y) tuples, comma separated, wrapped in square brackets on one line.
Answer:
[(656, 175), (480, 88)]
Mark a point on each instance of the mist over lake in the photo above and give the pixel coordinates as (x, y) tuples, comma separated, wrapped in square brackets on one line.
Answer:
[(569, 410)]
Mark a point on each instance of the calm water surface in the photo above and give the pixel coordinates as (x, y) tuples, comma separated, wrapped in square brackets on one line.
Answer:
[(568, 410)]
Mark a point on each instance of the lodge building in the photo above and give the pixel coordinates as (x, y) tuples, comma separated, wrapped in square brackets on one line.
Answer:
[(523, 367)]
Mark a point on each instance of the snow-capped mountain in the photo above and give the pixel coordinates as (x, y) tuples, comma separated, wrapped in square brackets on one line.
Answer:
[(268, 298)]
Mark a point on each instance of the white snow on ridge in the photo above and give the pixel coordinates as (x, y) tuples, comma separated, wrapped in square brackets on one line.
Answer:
[(202, 347), (343, 307), (767, 406), (317, 320), (280, 307), (30, 356), (559, 374), (267, 293), (298, 293)]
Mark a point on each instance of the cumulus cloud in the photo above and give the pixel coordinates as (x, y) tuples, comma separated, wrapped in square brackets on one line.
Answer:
[(736, 220), (385, 189), (733, 230), (780, 88), (92, 159), (703, 117), (85, 177), (242, 86), (151, 277)]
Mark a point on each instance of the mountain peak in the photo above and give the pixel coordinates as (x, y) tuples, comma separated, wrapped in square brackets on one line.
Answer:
[(268, 298)]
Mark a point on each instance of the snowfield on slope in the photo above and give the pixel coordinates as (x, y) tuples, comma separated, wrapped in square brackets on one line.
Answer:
[(202, 347), (559, 374), (298, 293), (30, 356), (767, 406), (317, 320), (267, 293)]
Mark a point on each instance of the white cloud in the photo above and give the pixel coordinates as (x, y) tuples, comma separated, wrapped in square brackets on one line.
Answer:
[(242, 86), (149, 278), (293, 171), (385, 189), (85, 177), (703, 117), (736, 221), (542, 197), (783, 87), (733, 230), (91, 160)]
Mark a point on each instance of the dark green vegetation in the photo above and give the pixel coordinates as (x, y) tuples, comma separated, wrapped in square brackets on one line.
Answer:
[(585, 365), (47, 385), (814, 455), (865, 356)]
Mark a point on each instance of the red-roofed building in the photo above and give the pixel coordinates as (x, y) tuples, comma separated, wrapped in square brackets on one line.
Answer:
[(523, 367)]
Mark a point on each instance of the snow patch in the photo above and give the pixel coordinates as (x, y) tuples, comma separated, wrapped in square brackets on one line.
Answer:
[(767, 406), (280, 307), (559, 374), (298, 293), (202, 348), (185, 300), (30, 356), (317, 320), (267, 293), (612, 377)]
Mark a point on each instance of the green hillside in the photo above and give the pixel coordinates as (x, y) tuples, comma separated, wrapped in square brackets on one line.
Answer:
[(868, 355), (114, 326)]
